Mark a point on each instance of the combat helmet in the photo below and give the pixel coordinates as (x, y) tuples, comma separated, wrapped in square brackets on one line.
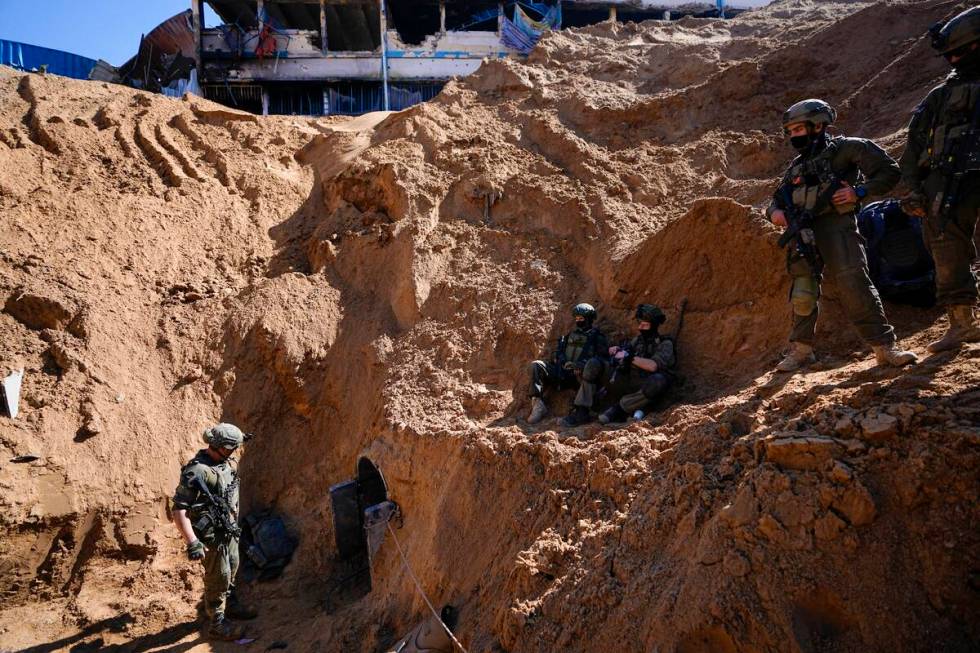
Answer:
[(224, 436), (585, 310), (812, 110), (961, 30), (650, 313)]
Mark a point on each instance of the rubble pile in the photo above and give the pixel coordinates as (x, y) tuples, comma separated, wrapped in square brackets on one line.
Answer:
[(376, 286)]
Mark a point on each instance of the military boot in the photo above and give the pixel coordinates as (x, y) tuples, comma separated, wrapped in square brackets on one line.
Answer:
[(963, 328), (613, 414), (222, 630), (579, 415), (892, 355), (237, 609), (799, 354), (538, 410)]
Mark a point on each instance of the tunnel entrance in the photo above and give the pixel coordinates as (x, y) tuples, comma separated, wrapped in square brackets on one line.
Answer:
[(352, 500)]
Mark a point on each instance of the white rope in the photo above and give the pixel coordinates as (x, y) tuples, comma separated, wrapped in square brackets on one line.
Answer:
[(418, 586)]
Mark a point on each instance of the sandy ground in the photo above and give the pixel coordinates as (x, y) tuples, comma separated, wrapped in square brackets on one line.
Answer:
[(375, 287)]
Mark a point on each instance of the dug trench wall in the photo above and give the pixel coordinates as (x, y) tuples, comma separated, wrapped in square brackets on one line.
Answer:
[(376, 287)]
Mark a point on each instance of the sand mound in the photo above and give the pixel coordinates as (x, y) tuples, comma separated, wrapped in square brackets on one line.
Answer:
[(376, 287)]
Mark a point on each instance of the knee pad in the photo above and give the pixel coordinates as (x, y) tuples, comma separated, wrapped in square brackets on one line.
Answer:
[(804, 294)]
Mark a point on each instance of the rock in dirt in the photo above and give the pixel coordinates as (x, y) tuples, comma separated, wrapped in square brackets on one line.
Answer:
[(879, 427), (803, 453), (856, 505)]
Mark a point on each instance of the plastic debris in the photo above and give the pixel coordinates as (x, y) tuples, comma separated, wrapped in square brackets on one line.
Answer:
[(10, 393)]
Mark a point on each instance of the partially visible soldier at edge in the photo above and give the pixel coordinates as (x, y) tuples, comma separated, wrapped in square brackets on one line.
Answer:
[(576, 363), (941, 167), (856, 167), (643, 370), (210, 541)]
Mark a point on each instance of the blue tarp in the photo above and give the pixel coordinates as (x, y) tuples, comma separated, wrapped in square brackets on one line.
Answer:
[(31, 57), (523, 32)]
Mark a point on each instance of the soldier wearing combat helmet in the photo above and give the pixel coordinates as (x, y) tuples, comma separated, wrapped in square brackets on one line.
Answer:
[(642, 369), (576, 363), (941, 166), (205, 510), (827, 181)]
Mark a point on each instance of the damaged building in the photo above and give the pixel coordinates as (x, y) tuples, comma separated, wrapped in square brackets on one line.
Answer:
[(326, 57)]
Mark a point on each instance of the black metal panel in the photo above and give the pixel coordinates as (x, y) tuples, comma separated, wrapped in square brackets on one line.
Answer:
[(348, 520)]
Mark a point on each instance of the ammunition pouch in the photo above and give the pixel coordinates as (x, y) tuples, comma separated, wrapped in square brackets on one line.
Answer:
[(205, 528)]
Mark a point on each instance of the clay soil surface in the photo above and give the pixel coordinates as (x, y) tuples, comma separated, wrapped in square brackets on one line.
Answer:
[(376, 287)]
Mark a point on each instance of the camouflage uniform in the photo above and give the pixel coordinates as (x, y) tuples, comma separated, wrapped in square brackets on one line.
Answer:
[(635, 389), (837, 238), (586, 350), (946, 108), (221, 560)]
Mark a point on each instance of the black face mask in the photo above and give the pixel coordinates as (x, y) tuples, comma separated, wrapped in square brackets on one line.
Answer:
[(969, 64), (801, 143), (648, 333), (808, 143)]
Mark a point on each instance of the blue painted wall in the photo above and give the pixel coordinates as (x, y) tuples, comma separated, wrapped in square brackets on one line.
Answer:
[(29, 57)]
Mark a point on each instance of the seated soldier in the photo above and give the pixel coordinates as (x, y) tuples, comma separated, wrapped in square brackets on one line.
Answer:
[(642, 369), (568, 368)]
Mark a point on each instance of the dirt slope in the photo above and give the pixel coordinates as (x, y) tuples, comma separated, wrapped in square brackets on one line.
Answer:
[(376, 287)]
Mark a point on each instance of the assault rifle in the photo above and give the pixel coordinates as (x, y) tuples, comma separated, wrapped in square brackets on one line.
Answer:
[(217, 514), (560, 351), (799, 229), (626, 363), (960, 157)]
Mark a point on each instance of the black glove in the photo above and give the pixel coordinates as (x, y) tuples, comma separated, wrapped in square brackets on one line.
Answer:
[(196, 550)]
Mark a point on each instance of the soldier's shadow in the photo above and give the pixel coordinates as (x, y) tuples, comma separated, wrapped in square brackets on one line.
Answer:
[(88, 640), (166, 641)]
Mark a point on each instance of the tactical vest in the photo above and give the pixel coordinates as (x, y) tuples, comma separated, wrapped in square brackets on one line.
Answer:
[(951, 120), (811, 176), (647, 348), (225, 485), (576, 343)]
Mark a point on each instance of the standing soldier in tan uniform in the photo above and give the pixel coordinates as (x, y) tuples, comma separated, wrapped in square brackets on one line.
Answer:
[(941, 166), (205, 509), (826, 182)]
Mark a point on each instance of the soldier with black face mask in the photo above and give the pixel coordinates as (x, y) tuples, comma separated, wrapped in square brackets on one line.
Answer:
[(941, 166), (856, 168), (643, 368), (577, 362)]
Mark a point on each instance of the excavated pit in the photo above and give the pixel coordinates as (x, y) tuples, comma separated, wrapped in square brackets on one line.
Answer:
[(372, 290)]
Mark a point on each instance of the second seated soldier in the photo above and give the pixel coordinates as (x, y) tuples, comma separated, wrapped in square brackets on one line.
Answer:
[(941, 165), (826, 182), (642, 369), (570, 368)]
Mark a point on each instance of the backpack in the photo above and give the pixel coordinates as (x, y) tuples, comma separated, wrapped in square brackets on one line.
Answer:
[(267, 544), (900, 266)]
